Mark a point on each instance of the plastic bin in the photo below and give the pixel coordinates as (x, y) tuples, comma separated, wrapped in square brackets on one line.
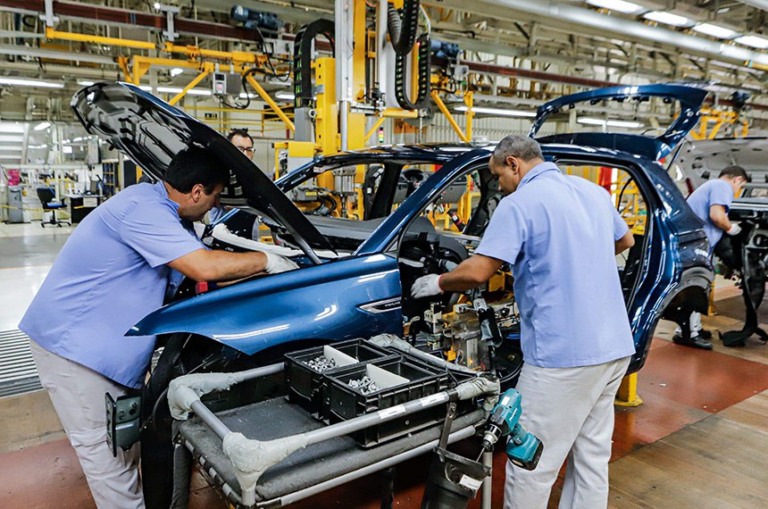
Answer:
[(306, 385), (403, 380)]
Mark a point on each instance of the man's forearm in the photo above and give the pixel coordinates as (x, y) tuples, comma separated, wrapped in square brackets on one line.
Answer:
[(471, 273), (205, 265)]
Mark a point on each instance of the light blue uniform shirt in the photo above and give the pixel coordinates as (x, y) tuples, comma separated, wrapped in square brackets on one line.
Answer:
[(558, 233), (109, 275), (713, 192)]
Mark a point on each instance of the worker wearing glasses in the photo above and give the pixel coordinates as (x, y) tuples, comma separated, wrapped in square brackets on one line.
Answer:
[(243, 224)]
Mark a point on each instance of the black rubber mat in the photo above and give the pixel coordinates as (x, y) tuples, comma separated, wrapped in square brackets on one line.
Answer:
[(18, 373)]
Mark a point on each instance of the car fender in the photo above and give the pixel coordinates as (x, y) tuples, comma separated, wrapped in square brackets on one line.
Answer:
[(354, 297)]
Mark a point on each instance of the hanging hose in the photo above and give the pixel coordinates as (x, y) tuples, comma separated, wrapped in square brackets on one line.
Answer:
[(401, 73), (302, 59), (402, 31)]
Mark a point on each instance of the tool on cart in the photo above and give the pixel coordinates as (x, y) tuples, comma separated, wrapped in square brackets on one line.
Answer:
[(523, 448)]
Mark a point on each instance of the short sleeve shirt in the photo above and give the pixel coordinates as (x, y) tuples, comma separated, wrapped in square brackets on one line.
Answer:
[(109, 275), (558, 234), (713, 192)]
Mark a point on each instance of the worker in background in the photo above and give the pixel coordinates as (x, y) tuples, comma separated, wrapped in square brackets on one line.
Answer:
[(244, 223), (109, 275), (560, 235), (710, 202)]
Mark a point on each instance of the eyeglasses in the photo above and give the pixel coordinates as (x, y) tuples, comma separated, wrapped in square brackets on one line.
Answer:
[(245, 150)]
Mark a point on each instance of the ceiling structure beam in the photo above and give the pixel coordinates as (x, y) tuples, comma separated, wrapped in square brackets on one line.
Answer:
[(620, 27)]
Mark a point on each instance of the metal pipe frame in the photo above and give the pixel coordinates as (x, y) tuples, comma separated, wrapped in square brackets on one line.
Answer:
[(274, 451)]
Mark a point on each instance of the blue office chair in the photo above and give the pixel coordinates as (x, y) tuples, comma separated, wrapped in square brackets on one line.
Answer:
[(48, 198)]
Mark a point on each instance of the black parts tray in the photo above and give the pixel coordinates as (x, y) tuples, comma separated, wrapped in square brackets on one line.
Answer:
[(306, 385), (417, 380)]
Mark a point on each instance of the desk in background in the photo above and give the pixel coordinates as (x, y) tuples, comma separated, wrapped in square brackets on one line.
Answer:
[(80, 205)]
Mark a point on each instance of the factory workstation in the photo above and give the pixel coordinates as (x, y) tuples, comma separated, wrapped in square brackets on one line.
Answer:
[(383, 254)]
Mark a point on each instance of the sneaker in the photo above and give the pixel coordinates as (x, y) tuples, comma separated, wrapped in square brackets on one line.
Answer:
[(697, 341), (705, 334)]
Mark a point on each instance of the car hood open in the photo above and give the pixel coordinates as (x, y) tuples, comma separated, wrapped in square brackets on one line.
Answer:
[(151, 132), (653, 148)]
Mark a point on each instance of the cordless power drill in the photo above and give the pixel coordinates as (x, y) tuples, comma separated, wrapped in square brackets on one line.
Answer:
[(523, 448)]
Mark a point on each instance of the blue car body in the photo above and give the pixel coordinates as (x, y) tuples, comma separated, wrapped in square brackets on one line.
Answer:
[(359, 295)]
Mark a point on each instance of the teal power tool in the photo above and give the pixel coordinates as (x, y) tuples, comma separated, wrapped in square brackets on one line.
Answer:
[(523, 448)]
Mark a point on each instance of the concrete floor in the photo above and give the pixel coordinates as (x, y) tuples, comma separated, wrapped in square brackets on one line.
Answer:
[(689, 395)]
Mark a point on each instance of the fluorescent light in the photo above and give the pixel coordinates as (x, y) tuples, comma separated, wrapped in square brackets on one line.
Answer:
[(499, 112), (37, 146), (6, 156), (752, 40), (610, 123), (10, 149), (715, 31), (177, 90), (12, 139), (668, 18), (618, 5), (42, 125), (67, 149), (85, 83), (145, 88), (176, 71), (243, 95), (23, 82), (11, 128), (285, 95)]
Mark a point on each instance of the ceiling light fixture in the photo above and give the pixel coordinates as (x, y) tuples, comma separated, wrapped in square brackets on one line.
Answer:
[(610, 123), (668, 18), (176, 71), (8, 156), (42, 125), (85, 83), (715, 31), (10, 149), (11, 128), (618, 5), (11, 139), (177, 90), (288, 96), (23, 82), (753, 40), (498, 112)]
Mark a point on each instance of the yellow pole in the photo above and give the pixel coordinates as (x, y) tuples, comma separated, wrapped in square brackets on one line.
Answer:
[(627, 393), (470, 114), (272, 104), (200, 77), (50, 33), (441, 105)]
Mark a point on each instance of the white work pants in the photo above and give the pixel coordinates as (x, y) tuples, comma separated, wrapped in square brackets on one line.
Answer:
[(77, 394), (571, 411), (695, 324)]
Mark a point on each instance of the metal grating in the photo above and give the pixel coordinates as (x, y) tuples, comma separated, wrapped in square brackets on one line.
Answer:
[(18, 373)]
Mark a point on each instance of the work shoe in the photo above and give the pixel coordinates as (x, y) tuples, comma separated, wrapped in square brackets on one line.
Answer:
[(696, 341), (705, 334)]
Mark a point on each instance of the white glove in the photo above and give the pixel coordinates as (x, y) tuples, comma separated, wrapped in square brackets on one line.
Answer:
[(426, 286), (734, 230), (277, 264)]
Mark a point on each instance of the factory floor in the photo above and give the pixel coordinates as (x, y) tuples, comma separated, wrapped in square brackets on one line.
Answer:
[(698, 440)]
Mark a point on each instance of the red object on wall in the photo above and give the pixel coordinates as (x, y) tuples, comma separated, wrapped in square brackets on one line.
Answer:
[(605, 178)]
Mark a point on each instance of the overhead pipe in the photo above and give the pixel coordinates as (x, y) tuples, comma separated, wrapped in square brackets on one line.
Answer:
[(618, 26)]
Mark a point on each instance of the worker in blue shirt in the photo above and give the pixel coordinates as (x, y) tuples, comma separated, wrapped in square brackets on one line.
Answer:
[(710, 202), (560, 235), (111, 273)]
